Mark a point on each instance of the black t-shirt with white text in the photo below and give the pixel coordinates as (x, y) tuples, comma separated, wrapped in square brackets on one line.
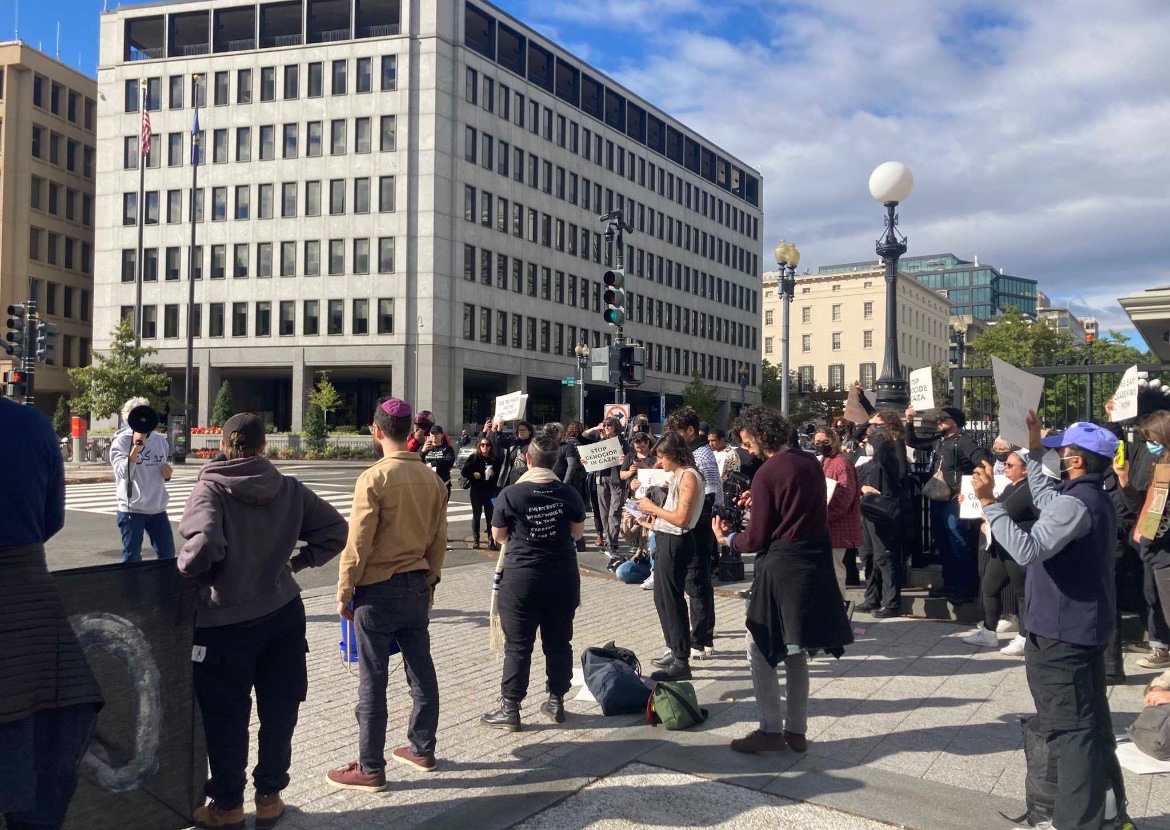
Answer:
[(538, 517)]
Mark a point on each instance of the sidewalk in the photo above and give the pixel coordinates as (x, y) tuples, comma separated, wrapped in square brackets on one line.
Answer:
[(912, 727)]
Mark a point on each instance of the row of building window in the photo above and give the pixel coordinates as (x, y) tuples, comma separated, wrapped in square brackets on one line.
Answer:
[(337, 82), (60, 250), (55, 199), (46, 145), (286, 322), (866, 377), (63, 301), (364, 255), (60, 100)]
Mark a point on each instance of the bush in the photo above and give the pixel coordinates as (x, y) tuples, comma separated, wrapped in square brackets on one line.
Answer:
[(223, 405), (62, 418), (315, 431), (346, 430)]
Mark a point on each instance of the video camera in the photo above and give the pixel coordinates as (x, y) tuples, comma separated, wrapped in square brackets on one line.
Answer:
[(730, 511)]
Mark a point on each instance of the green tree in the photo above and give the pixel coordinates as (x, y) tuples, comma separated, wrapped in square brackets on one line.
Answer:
[(114, 378), (570, 408), (940, 374), (771, 388), (813, 407), (702, 398), (325, 397), (62, 418), (224, 407), (315, 432)]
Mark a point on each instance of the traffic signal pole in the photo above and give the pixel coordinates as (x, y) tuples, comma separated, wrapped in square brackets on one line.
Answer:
[(615, 296)]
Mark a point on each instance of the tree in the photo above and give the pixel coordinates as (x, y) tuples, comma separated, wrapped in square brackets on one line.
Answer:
[(224, 407), (813, 407), (315, 432), (325, 397), (702, 398), (570, 408), (940, 374), (114, 378), (771, 388), (62, 418)]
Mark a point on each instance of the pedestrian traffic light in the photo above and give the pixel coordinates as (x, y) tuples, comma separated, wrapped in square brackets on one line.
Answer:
[(614, 297), (633, 365), (16, 384), (46, 342), (17, 319)]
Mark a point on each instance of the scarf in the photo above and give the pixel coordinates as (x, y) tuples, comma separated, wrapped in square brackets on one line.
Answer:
[(539, 475)]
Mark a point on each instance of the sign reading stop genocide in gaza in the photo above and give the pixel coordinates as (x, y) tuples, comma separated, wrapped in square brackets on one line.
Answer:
[(601, 456)]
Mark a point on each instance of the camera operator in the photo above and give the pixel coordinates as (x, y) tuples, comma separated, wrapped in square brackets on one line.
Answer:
[(141, 471), (795, 603)]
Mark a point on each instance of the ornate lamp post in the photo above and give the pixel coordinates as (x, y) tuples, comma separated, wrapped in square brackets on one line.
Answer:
[(743, 385), (582, 352), (787, 258), (890, 184)]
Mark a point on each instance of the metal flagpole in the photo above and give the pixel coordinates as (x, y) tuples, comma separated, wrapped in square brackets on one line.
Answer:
[(192, 264), (144, 150)]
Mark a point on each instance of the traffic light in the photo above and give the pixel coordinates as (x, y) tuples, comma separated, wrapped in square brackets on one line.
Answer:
[(46, 342), (615, 364), (633, 365), (17, 319), (16, 384), (614, 297)]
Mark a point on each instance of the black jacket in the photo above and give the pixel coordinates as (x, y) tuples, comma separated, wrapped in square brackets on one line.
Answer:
[(1017, 501), (956, 455), (888, 471), (440, 459), (475, 471)]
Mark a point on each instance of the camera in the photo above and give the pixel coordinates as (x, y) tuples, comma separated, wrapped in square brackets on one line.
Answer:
[(730, 511)]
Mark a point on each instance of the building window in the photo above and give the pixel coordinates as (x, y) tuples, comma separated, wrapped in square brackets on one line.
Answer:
[(836, 312), (243, 201), (867, 310), (240, 260), (313, 258), (389, 73), (867, 339), (868, 374), (290, 141), (288, 200), (361, 195), (361, 256), (336, 317), (389, 133), (267, 142), (336, 197), (218, 261), (340, 68), (767, 345), (268, 83), (768, 318), (361, 135), (836, 341), (149, 322), (288, 259), (806, 342), (337, 137), (386, 194), (336, 257), (806, 379), (364, 81), (313, 198), (314, 139), (386, 315), (264, 259), (360, 316), (263, 319), (316, 78), (288, 318), (386, 255), (836, 377), (222, 92), (170, 322), (244, 86), (311, 318), (215, 325), (239, 319), (291, 78)]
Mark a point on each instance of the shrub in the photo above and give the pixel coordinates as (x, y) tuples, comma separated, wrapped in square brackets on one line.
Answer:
[(222, 410), (315, 432)]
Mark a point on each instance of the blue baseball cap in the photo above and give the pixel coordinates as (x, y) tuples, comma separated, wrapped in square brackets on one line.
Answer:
[(1087, 436)]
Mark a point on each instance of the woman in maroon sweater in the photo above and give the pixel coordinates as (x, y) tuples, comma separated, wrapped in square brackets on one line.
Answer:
[(796, 605), (845, 503)]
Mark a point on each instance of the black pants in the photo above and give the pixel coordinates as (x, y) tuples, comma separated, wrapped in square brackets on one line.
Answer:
[(268, 655), (999, 571), (1156, 620), (544, 600), (673, 556), (481, 502), (598, 520), (1068, 687), (881, 542), (395, 610), (698, 585)]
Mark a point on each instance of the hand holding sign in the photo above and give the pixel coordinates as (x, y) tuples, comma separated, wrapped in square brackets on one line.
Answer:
[(601, 456), (922, 388), (1019, 393), (511, 407)]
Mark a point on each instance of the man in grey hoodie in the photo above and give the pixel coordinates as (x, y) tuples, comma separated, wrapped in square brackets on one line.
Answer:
[(242, 523), (141, 472)]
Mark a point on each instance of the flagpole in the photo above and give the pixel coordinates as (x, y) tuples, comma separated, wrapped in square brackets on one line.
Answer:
[(189, 378), (143, 150)]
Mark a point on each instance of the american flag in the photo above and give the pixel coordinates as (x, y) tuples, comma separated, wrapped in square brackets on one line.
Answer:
[(146, 131)]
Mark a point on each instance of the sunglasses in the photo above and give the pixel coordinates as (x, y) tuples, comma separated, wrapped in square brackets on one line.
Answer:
[(485, 444)]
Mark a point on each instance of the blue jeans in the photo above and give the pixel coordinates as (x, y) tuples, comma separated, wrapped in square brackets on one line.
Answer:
[(157, 525), (960, 570), (39, 759)]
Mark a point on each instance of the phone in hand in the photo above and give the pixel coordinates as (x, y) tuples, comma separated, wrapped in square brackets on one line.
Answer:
[(1119, 458)]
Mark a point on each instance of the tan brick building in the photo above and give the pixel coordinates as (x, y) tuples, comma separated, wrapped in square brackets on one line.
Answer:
[(48, 114)]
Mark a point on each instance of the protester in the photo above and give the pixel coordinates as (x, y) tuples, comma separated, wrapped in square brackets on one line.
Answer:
[(637, 568), (1158, 692), (673, 525), (49, 699), (726, 458), (438, 454), (795, 604), (610, 488), (1069, 612), (844, 509), (574, 471), (885, 477), (538, 520), (422, 430), (480, 471), (955, 454), (391, 564), (515, 448), (139, 462), (464, 438), (999, 569), (241, 525), (1001, 448)]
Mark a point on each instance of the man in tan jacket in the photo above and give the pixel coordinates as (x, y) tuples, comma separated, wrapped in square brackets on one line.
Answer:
[(389, 569)]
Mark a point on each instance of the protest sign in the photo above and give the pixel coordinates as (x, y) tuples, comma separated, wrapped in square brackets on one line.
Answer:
[(969, 507), (511, 407), (1018, 393), (1125, 399), (601, 456), (854, 411), (922, 388), (654, 478)]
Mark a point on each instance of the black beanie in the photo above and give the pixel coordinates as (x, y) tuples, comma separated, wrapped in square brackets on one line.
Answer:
[(955, 415)]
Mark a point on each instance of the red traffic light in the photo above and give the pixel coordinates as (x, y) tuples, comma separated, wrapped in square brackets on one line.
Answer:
[(17, 376)]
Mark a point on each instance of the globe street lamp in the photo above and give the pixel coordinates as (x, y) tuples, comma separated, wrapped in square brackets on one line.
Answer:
[(582, 352), (890, 184), (787, 258)]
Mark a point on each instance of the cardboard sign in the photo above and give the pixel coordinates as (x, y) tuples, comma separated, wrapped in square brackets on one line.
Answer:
[(621, 411), (1018, 392), (511, 407), (1151, 515), (969, 507), (1125, 399), (830, 487), (922, 388), (601, 456), (854, 411)]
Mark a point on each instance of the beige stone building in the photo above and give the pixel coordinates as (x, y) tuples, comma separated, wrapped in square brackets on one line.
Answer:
[(48, 114), (837, 327)]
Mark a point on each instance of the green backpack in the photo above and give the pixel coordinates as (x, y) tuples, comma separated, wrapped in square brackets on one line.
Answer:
[(675, 705)]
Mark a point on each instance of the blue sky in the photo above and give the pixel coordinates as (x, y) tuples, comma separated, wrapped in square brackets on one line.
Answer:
[(1036, 138)]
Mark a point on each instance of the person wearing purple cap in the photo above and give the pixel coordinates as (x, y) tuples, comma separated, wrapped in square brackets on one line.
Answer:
[(1069, 613)]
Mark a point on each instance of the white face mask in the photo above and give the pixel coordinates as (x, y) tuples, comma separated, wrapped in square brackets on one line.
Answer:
[(869, 449), (1051, 463)]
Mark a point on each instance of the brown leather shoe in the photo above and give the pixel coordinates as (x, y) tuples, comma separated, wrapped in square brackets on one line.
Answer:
[(406, 755), (759, 741), (797, 743), (269, 809), (351, 777), (214, 817)]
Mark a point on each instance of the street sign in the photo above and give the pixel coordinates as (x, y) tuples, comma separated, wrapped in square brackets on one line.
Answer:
[(568, 381), (620, 411)]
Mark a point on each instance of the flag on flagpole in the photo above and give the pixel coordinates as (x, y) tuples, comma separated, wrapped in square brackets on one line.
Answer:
[(195, 136), (146, 131)]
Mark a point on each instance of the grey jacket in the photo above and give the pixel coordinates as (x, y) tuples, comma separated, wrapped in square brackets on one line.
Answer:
[(242, 523)]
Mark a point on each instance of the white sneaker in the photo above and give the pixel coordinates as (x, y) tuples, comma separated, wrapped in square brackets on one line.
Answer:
[(1006, 626), (1044, 825), (1015, 648), (703, 653), (648, 585), (981, 637)]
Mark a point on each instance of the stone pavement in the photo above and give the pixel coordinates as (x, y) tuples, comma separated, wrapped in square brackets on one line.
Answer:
[(912, 727)]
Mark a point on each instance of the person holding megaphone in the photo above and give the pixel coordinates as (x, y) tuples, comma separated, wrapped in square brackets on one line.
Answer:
[(139, 455)]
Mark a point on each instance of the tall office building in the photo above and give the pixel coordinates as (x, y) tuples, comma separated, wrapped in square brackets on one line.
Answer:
[(408, 196), (47, 157)]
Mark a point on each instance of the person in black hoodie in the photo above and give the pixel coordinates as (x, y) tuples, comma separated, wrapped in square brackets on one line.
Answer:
[(480, 471), (242, 522), (885, 476), (438, 454)]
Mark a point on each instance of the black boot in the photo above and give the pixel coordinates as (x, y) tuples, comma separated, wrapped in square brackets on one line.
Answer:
[(506, 718), (475, 545), (675, 670), (554, 708)]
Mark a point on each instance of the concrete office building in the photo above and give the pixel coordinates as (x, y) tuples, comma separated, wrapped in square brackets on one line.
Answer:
[(838, 325), (47, 159), (407, 195)]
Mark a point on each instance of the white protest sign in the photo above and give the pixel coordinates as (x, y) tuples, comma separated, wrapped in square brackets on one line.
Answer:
[(830, 487), (511, 407), (620, 411), (1018, 393), (653, 478), (922, 388), (601, 456), (1125, 399), (969, 507)]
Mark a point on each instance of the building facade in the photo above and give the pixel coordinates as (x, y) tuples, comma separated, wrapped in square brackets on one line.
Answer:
[(408, 196), (837, 328), (48, 114)]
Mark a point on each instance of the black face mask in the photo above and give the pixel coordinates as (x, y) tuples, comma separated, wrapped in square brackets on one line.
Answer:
[(843, 432), (1000, 456), (825, 448)]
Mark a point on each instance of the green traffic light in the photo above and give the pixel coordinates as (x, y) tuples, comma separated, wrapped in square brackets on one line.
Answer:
[(614, 316)]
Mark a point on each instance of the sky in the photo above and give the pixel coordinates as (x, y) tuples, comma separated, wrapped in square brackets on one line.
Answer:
[(1036, 131)]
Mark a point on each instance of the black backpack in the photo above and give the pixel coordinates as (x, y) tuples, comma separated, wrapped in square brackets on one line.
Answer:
[(612, 677)]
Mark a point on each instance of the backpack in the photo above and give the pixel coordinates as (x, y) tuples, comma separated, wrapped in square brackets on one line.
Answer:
[(1151, 732), (675, 705), (612, 676)]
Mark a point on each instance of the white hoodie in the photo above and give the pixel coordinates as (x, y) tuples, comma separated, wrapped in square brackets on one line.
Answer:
[(147, 492)]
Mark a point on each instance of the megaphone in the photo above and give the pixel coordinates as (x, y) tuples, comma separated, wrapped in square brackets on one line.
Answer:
[(142, 419)]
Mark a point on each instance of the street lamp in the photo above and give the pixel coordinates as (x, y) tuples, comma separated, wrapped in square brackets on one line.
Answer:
[(743, 385), (787, 258), (890, 184), (582, 352)]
